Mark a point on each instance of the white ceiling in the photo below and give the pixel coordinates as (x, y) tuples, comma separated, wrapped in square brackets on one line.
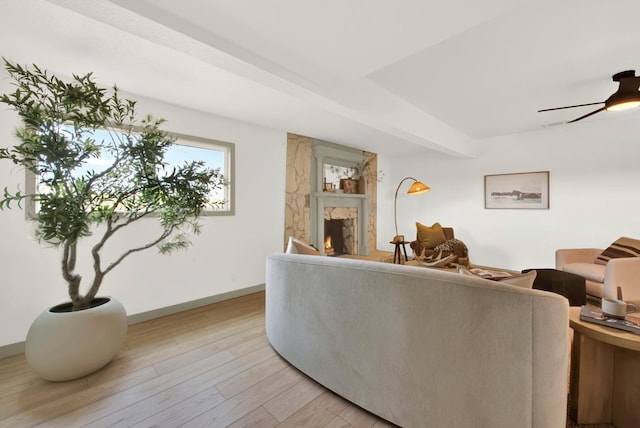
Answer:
[(392, 77)]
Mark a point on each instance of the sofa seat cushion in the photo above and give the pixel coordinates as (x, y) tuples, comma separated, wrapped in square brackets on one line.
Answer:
[(590, 271)]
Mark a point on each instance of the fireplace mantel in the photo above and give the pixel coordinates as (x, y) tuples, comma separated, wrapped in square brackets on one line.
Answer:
[(337, 196), (332, 154)]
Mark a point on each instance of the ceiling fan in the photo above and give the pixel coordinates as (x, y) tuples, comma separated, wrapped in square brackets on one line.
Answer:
[(625, 97)]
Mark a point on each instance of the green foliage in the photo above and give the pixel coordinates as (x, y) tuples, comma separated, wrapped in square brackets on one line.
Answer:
[(56, 140)]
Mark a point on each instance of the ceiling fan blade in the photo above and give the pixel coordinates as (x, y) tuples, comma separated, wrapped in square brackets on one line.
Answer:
[(577, 105), (587, 115)]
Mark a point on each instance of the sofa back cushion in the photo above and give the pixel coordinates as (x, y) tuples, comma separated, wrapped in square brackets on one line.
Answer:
[(591, 271), (621, 248)]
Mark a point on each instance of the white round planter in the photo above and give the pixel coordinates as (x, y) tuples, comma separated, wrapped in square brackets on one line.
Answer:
[(67, 345)]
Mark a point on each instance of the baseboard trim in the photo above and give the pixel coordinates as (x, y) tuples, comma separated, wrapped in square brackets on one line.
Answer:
[(11, 349), (18, 347), (180, 307)]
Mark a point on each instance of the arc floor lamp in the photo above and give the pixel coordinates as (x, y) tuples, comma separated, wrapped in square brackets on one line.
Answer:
[(416, 188)]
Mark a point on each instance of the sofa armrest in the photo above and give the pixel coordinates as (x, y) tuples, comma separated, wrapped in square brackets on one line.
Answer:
[(623, 273), (576, 255)]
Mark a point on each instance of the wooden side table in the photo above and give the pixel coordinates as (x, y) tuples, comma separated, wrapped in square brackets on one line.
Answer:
[(397, 255), (605, 374)]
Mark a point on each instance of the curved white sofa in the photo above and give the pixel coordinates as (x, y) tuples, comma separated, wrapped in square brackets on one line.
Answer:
[(422, 347)]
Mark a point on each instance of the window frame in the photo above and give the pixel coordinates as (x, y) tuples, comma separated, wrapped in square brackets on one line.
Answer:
[(180, 140), (229, 164)]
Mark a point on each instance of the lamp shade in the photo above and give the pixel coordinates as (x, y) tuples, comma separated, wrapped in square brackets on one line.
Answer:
[(417, 188)]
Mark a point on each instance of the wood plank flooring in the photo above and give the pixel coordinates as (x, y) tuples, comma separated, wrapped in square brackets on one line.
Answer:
[(207, 367)]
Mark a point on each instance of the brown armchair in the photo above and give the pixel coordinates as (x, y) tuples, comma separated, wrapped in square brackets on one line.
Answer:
[(424, 250)]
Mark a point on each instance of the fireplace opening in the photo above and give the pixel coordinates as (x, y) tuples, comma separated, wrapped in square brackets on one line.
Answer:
[(333, 239), (339, 237)]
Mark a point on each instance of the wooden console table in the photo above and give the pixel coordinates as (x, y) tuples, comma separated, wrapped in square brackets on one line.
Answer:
[(605, 374)]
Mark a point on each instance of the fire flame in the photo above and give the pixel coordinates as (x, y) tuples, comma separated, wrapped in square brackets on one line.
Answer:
[(328, 249)]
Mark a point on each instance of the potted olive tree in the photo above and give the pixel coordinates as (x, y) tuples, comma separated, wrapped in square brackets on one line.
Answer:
[(58, 137)]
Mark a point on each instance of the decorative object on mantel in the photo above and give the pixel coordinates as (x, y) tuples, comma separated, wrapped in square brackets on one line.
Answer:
[(327, 186), (522, 190), (416, 188), (349, 185)]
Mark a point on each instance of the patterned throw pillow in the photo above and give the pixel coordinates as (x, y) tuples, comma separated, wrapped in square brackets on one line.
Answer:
[(449, 245), (621, 248)]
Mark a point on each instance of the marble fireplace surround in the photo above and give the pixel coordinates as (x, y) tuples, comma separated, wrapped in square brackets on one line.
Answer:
[(307, 206)]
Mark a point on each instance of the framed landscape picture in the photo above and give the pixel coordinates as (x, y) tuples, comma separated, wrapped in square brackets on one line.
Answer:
[(523, 190)]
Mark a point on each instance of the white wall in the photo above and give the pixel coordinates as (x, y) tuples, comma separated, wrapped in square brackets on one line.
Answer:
[(594, 193), (229, 254)]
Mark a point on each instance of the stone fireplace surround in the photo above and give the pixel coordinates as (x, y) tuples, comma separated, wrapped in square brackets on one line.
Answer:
[(347, 218), (307, 206)]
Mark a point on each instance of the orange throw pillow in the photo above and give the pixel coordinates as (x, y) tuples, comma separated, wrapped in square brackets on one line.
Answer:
[(429, 237)]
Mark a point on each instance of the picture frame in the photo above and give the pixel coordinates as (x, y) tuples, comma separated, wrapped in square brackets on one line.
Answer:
[(520, 190)]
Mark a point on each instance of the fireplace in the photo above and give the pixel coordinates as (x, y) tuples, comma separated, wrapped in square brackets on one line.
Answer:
[(307, 197), (351, 210)]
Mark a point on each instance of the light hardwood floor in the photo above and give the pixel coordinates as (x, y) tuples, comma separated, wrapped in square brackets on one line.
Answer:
[(207, 367)]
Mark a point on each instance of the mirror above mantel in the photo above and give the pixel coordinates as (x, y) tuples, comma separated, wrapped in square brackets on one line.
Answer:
[(338, 169)]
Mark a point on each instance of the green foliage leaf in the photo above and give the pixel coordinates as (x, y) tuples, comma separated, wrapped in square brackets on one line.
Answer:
[(57, 139)]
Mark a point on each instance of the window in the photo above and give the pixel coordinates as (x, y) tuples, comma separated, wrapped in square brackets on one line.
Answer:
[(215, 154)]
